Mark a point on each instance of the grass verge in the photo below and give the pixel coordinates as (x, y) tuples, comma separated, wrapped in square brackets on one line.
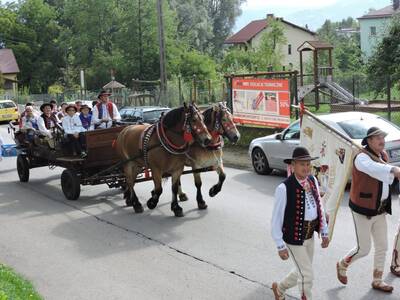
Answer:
[(14, 287)]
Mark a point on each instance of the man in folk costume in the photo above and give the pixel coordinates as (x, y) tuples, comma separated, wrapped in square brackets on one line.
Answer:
[(47, 122), (370, 202), (297, 214), (105, 112)]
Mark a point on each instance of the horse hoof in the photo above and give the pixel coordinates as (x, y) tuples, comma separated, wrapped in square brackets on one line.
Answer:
[(214, 191), (151, 204), (138, 208), (178, 213), (183, 197), (202, 205), (128, 202)]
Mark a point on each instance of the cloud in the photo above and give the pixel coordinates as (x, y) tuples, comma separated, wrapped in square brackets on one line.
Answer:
[(292, 4)]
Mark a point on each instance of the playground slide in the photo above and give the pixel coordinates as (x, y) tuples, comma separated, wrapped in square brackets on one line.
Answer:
[(341, 93)]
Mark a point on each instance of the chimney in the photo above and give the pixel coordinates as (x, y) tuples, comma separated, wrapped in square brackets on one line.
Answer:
[(396, 4)]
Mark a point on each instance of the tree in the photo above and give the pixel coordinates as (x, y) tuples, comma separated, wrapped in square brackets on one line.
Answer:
[(205, 24), (30, 29), (268, 55)]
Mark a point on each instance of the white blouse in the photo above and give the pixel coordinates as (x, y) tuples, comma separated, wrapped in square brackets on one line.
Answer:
[(72, 125)]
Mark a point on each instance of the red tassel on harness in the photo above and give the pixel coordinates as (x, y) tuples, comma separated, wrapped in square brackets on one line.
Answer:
[(215, 134), (187, 137), (114, 142)]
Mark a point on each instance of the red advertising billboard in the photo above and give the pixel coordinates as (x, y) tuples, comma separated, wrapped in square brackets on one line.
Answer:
[(263, 102)]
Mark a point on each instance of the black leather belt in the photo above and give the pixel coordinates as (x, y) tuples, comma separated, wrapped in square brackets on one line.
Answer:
[(309, 228)]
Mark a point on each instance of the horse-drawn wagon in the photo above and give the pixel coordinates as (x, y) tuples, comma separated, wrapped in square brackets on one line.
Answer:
[(110, 159), (96, 168)]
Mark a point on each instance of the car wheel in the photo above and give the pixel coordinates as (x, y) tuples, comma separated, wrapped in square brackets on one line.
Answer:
[(260, 162)]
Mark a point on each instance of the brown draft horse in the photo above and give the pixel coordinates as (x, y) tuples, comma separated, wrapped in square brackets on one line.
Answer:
[(219, 122), (160, 147)]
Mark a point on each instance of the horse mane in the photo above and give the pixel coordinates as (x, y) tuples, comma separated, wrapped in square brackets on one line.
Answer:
[(208, 115), (173, 117)]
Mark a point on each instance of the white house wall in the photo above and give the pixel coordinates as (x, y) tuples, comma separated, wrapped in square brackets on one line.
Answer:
[(294, 37)]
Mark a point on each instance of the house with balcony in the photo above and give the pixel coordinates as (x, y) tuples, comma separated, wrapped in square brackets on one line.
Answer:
[(375, 25), (250, 36)]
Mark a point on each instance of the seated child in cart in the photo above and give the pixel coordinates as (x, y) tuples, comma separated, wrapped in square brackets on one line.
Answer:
[(86, 118), (73, 131), (29, 124)]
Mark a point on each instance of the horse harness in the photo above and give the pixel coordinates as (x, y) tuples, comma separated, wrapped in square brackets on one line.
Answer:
[(145, 138), (167, 144)]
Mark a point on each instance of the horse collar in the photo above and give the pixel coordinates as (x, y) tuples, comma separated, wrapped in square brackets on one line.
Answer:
[(166, 143)]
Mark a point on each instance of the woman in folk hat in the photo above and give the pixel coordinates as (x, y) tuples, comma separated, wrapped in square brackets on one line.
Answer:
[(370, 202), (74, 131), (105, 112), (297, 214)]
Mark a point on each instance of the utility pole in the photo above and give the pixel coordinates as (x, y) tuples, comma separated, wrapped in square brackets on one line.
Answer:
[(163, 71)]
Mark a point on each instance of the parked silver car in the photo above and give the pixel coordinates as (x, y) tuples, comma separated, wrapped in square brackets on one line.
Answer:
[(267, 153)]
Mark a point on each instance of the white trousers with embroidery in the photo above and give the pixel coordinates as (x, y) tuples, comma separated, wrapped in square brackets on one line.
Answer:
[(366, 228), (302, 274), (396, 249)]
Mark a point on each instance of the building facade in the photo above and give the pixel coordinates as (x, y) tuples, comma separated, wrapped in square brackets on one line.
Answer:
[(374, 26), (9, 70), (250, 36)]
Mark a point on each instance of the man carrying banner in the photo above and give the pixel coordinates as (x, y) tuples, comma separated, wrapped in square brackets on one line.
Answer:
[(297, 214), (370, 201)]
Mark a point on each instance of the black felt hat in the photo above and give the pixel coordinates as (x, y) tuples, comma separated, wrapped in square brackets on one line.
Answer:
[(103, 93), (44, 105), (373, 131), (299, 153)]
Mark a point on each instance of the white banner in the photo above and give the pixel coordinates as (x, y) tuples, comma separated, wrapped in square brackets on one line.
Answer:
[(334, 165)]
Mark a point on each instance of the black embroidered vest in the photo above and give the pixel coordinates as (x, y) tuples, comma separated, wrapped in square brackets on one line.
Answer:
[(293, 223)]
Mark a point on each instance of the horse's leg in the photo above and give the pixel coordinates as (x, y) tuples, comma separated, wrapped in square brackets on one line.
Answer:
[(215, 189), (201, 204), (130, 196), (182, 195), (155, 194), (178, 211)]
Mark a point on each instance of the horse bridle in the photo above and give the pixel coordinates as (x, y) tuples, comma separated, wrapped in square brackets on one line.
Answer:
[(187, 127), (220, 123)]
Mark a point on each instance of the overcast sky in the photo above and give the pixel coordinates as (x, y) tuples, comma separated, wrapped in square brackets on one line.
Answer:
[(310, 12)]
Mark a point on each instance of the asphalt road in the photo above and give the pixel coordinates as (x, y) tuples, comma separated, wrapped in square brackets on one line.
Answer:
[(96, 248)]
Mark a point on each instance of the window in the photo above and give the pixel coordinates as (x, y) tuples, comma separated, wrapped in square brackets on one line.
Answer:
[(293, 132), (372, 30), (289, 50)]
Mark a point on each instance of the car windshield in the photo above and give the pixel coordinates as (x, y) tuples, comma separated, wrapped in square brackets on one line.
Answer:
[(7, 105), (129, 114), (152, 115), (357, 129)]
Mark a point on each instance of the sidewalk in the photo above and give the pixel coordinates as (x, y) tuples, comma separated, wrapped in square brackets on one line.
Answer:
[(237, 157)]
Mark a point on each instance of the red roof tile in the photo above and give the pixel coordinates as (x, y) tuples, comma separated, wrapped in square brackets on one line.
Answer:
[(253, 28), (247, 33), (385, 12), (8, 63)]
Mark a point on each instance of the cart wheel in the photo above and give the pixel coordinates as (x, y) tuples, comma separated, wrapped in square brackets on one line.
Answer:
[(22, 168), (70, 184)]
